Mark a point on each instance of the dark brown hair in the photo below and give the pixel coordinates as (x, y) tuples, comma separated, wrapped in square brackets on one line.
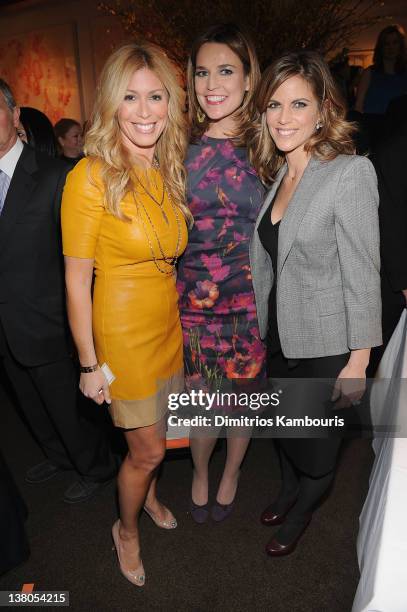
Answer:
[(241, 44), (64, 125)]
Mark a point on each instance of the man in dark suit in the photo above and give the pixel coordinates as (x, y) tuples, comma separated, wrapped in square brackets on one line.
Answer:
[(34, 338), (390, 163)]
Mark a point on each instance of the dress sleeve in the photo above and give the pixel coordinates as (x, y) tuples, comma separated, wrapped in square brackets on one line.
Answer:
[(357, 234), (81, 213)]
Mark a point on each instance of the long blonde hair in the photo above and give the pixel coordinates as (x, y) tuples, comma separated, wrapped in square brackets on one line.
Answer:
[(335, 135), (241, 44), (103, 143)]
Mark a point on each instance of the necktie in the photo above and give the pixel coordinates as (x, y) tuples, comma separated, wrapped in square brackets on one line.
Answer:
[(4, 185)]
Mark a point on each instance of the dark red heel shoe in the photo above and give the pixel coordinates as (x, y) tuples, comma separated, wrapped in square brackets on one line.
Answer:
[(270, 517), (275, 549)]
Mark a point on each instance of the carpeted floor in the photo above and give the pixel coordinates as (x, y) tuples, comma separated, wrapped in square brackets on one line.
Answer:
[(195, 567)]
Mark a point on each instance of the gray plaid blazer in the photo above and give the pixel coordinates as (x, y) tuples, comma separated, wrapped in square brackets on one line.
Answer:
[(328, 270)]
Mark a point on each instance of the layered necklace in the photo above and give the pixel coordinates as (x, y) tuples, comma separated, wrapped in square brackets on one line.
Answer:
[(171, 261)]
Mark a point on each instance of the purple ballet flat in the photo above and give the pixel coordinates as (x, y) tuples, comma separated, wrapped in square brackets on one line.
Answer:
[(199, 513), (220, 512)]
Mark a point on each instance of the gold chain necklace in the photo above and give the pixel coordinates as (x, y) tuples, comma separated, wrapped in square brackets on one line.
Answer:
[(172, 260), (160, 203)]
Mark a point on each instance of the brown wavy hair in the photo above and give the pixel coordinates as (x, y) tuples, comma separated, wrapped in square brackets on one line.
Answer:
[(332, 139), (241, 44), (103, 142)]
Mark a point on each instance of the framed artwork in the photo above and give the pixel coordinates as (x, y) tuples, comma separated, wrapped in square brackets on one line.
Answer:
[(41, 68)]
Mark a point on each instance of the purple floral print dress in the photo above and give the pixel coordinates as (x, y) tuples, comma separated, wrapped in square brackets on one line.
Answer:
[(216, 299)]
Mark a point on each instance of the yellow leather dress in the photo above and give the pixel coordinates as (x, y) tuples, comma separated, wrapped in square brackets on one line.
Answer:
[(136, 326)]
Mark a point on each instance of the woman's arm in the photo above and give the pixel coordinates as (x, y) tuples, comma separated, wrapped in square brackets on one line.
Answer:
[(78, 279), (362, 89), (357, 235), (81, 215)]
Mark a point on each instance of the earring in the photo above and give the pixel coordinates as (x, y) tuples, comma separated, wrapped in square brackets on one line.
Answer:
[(318, 125), (200, 115)]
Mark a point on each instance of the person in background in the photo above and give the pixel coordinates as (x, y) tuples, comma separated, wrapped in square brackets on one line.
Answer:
[(124, 217), (35, 344), (387, 77), (389, 160), (36, 130), (218, 312), (69, 136), (395, 117), (385, 80), (316, 272)]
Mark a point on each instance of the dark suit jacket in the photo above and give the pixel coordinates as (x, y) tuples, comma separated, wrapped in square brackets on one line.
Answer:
[(391, 166), (32, 293)]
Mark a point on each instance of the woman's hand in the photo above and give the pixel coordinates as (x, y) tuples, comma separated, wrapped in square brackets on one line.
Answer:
[(95, 386), (350, 385)]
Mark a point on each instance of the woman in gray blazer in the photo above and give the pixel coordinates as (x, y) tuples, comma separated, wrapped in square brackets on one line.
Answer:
[(315, 267)]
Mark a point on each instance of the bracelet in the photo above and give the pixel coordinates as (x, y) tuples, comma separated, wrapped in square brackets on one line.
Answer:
[(88, 369)]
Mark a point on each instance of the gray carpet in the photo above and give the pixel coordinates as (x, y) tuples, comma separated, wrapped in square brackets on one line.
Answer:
[(195, 567)]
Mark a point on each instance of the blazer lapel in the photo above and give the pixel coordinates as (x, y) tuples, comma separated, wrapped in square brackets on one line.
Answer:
[(270, 195), (297, 207), (21, 187)]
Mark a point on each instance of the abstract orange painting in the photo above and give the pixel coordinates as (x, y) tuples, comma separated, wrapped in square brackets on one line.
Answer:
[(40, 67)]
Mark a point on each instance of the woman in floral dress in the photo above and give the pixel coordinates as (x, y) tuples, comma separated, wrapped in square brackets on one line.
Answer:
[(218, 312)]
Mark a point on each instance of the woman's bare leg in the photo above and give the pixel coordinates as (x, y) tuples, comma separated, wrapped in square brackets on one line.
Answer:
[(146, 451), (237, 443), (202, 446)]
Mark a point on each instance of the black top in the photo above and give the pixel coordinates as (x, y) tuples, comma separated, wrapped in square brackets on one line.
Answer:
[(268, 234), (71, 161)]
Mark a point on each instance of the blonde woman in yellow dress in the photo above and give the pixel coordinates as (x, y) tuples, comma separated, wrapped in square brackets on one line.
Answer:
[(124, 219)]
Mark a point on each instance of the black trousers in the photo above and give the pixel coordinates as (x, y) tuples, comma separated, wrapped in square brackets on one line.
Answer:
[(314, 456), (50, 400), (14, 547)]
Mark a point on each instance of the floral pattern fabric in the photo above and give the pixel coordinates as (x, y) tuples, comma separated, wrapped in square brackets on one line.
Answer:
[(216, 299)]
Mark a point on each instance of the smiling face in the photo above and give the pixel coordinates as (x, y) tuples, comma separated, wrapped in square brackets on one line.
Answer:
[(292, 115), (143, 114), (220, 86)]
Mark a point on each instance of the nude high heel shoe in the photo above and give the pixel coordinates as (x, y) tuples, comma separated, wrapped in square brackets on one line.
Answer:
[(170, 523), (136, 576)]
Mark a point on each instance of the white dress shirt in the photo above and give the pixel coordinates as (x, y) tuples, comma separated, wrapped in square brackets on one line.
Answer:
[(9, 161)]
